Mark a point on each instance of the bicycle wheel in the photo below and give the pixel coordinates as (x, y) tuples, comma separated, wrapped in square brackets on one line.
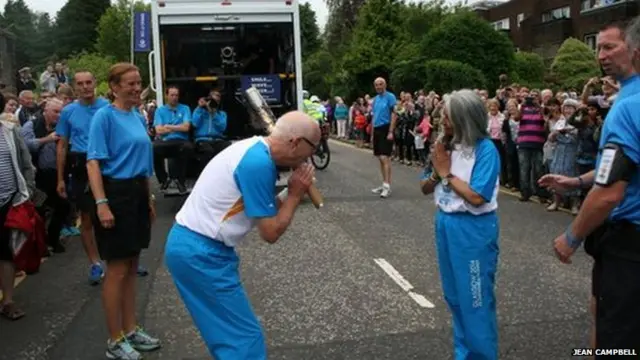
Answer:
[(320, 159)]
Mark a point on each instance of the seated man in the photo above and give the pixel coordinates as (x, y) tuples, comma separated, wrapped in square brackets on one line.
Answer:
[(209, 124), (172, 122)]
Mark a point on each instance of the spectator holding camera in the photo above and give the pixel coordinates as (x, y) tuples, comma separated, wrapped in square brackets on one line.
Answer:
[(209, 123), (609, 89)]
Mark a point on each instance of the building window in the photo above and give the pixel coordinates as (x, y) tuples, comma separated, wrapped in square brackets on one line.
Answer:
[(585, 5), (501, 24), (591, 40), (557, 14), (520, 18)]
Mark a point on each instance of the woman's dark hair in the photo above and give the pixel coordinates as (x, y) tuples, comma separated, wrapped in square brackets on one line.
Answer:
[(8, 97), (553, 101), (109, 95), (594, 103)]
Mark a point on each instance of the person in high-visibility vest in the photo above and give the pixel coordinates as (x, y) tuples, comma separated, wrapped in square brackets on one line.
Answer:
[(316, 110), (307, 104)]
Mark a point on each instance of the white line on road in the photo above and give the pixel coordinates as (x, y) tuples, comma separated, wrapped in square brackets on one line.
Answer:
[(421, 300), (403, 283)]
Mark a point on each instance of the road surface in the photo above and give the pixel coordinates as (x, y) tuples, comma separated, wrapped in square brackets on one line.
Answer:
[(355, 280)]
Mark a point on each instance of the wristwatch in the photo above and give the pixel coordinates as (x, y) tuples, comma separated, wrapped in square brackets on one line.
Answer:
[(446, 178)]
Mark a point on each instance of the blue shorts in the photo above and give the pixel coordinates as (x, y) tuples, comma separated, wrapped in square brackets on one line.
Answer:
[(205, 271)]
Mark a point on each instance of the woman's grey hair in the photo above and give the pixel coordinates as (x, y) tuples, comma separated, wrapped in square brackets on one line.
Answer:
[(468, 116), (632, 34)]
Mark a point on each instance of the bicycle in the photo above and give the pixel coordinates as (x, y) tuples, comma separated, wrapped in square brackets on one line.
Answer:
[(321, 158)]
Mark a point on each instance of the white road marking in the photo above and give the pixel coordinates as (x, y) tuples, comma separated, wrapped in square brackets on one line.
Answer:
[(403, 283), (421, 300)]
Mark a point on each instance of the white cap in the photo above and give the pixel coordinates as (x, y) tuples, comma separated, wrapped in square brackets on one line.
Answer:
[(315, 99)]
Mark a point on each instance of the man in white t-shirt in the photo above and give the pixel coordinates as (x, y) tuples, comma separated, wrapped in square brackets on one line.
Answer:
[(235, 192)]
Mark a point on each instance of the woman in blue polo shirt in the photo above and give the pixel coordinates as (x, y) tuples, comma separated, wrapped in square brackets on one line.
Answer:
[(120, 163), (465, 183)]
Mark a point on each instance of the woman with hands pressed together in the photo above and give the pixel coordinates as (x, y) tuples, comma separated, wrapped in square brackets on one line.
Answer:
[(119, 164), (465, 183)]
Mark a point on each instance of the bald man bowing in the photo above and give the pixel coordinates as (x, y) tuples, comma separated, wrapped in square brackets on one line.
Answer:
[(235, 192)]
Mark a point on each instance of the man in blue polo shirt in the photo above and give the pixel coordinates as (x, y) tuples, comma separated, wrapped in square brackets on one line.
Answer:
[(172, 123), (384, 123), (73, 128), (609, 219)]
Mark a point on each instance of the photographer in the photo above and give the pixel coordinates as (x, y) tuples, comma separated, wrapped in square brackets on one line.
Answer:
[(209, 123), (609, 89)]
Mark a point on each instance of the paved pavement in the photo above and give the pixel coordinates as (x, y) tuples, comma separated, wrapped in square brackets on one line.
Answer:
[(356, 280)]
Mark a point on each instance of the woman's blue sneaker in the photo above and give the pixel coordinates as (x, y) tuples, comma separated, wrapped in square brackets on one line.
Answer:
[(64, 233), (142, 271), (96, 273)]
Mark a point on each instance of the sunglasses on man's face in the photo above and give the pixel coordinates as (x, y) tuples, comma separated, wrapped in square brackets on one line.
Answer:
[(310, 143)]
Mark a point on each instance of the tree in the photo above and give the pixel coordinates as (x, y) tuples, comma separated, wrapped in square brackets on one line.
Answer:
[(317, 73), (310, 32), (114, 34), (420, 18), (529, 69), (19, 20), (44, 48), (408, 75), (76, 25), (444, 76), (574, 64), (376, 39), (466, 38), (98, 64), (342, 19)]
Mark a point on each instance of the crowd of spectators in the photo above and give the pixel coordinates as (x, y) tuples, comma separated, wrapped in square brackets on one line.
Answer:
[(536, 132), (29, 118)]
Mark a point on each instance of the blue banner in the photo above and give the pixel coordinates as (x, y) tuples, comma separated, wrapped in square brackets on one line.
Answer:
[(142, 31), (267, 85)]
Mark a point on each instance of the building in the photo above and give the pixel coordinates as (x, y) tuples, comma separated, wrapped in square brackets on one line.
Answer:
[(7, 61), (541, 26)]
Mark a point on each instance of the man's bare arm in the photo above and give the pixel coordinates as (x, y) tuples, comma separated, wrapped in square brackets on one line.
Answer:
[(586, 180), (61, 157), (271, 229), (596, 208), (394, 119)]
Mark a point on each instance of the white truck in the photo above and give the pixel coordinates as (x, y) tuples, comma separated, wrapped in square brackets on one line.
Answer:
[(228, 45)]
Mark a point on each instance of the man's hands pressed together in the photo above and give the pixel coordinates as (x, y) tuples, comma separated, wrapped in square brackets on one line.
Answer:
[(301, 179)]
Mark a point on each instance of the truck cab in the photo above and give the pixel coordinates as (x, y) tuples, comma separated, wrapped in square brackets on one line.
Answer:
[(228, 45)]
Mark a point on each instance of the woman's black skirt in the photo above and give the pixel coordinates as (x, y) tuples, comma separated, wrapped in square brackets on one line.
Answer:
[(129, 204)]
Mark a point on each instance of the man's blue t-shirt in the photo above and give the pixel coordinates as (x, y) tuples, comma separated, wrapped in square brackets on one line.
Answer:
[(75, 121), (622, 128), (118, 139), (383, 105), (166, 115)]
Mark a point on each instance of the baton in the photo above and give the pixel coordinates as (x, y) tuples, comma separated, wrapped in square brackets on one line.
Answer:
[(258, 106)]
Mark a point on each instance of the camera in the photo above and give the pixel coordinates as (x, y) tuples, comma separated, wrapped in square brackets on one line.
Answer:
[(228, 56), (529, 101), (211, 103)]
